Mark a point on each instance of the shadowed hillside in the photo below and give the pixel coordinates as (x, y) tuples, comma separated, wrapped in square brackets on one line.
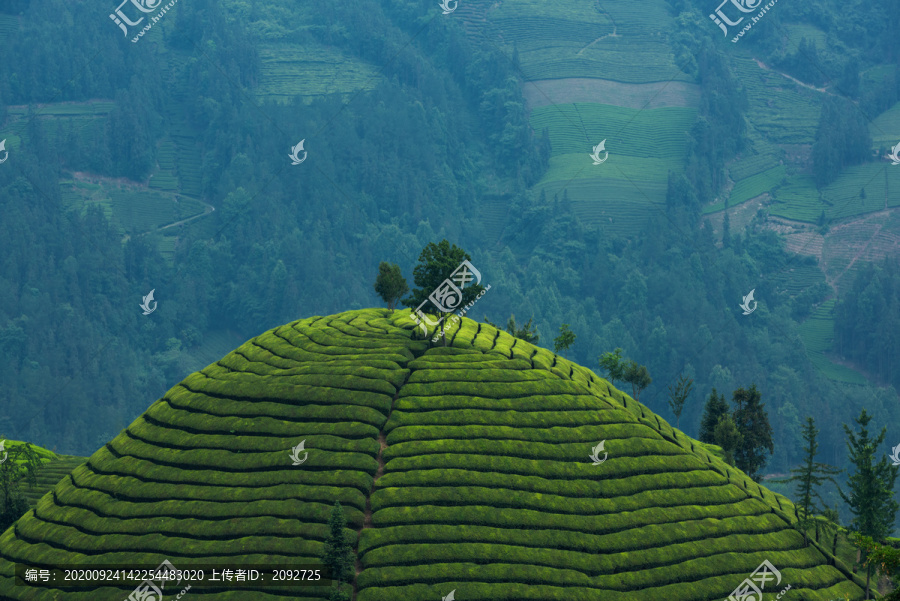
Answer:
[(462, 468)]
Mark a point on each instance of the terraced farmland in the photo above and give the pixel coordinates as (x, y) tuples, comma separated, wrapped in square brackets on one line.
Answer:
[(82, 119), (885, 128), (290, 70), (49, 475), (620, 40), (800, 200), (643, 147), (8, 24), (780, 110), (132, 209), (461, 468), (817, 334)]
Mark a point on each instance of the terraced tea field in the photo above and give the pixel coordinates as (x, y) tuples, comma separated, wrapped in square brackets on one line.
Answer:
[(85, 120), (817, 334), (620, 41), (461, 468), (885, 128), (290, 70), (134, 210), (643, 146), (49, 475), (8, 24)]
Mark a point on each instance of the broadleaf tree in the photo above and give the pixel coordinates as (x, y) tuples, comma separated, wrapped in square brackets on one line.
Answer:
[(390, 284), (436, 263)]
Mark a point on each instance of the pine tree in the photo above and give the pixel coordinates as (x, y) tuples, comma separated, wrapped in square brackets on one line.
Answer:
[(338, 554), (714, 409), (871, 498), (808, 477), (751, 419)]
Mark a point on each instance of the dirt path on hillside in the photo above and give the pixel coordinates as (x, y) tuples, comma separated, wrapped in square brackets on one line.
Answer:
[(379, 471), (762, 65), (209, 209)]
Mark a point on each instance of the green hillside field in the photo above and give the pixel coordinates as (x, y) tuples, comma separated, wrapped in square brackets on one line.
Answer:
[(643, 147), (462, 468), (817, 334)]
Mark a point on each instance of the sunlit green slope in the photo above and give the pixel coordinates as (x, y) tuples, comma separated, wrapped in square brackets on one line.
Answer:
[(463, 468)]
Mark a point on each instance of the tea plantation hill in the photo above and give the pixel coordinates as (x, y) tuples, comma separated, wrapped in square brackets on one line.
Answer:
[(463, 468)]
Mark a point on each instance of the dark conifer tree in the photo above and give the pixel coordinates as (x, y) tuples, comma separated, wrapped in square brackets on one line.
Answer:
[(715, 408)]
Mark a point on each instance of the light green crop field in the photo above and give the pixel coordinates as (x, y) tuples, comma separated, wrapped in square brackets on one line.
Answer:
[(463, 468), (290, 70), (619, 40), (817, 334), (885, 128), (751, 187), (800, 200), (797, 31), (780, 110), (643, 147)]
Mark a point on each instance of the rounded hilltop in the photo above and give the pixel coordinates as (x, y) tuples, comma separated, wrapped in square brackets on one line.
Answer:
[(464, 469)]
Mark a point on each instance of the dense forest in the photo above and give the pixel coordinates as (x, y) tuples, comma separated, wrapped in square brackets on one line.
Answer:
[(403, 163)]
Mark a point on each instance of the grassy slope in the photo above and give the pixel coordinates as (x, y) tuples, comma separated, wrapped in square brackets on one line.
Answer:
[(468, 467)]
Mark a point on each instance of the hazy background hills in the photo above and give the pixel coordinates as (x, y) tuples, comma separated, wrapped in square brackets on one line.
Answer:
[(732, 166)]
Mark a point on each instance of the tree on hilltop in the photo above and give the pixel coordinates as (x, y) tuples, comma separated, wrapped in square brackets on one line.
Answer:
[(678, 396), (527, 332), (565, 339), (611, 362), (638, 376), (390, 284), (436, 263), (713, 410)]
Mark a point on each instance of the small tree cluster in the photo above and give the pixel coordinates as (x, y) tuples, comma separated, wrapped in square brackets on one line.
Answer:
[(20, 466), (744, 435), (626, 370)]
